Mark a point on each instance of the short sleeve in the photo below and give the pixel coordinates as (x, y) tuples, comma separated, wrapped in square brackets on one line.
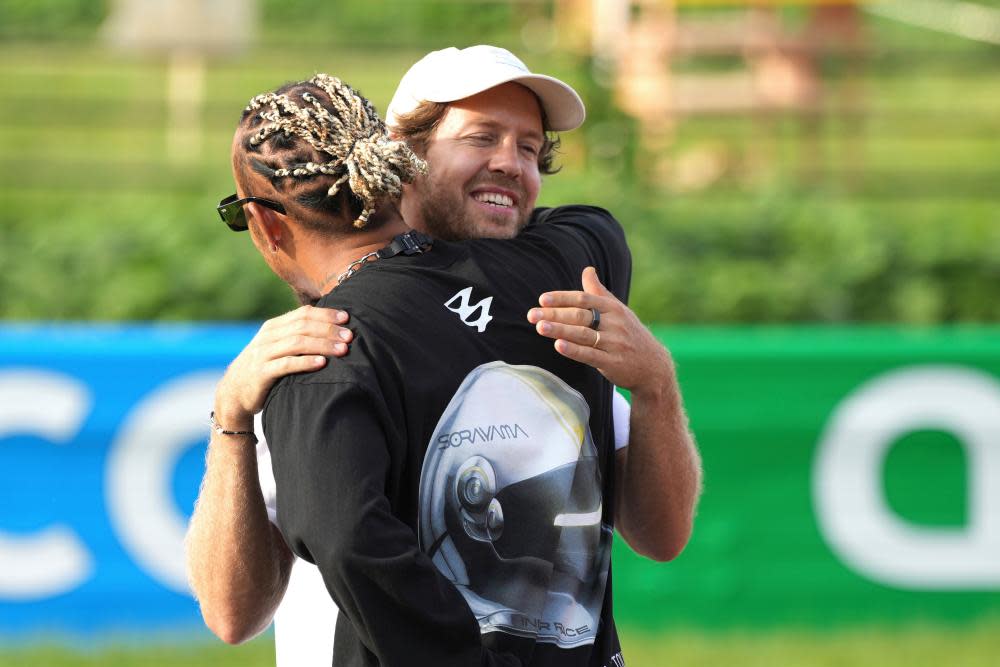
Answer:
[(265, 474), (588, 236), (622, 414)]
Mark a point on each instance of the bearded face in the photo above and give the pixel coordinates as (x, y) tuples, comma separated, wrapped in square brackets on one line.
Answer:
[(482, 159)]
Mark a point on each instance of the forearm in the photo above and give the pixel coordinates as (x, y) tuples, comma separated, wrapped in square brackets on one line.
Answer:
[(238, 564), (660, 483), (658, 476)]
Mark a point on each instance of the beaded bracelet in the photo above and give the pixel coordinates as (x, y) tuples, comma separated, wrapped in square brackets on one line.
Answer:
[(217, 427)]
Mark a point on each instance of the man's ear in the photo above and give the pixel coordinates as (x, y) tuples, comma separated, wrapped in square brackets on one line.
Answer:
[(271, 223)]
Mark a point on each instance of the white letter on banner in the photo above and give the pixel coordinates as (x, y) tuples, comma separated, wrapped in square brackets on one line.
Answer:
[(852, 511), (141, 467), (54, 560)]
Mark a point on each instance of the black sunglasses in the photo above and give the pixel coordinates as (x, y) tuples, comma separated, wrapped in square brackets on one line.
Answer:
[(231, 210)]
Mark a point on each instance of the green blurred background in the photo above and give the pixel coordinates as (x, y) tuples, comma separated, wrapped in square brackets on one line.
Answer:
[(877, 203), (866, 189)]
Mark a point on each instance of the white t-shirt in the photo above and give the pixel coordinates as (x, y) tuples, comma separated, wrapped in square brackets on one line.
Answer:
[(305, 620)]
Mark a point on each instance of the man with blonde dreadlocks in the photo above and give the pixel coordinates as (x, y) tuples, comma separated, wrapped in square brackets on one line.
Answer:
[(290, 344), (370, 452)]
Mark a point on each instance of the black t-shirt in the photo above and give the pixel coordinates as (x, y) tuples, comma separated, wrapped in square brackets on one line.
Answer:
[(452, 476)]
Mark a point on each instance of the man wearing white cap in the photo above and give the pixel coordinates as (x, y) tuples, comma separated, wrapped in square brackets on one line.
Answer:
[(473, 114), (479, 86)]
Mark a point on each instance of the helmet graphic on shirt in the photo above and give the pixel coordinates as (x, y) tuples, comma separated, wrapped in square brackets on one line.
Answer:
[(510, 504)]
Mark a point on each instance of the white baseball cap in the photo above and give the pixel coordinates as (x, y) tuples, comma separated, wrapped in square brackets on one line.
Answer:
[(453, 74)]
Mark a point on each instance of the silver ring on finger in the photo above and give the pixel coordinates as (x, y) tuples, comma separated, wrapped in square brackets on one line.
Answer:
[(596, 321), (596, 340)]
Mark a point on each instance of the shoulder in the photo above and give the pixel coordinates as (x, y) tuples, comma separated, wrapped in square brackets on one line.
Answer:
[(576, 215), (310, 393), (590, 229), (590, 224), (349, 374), (302, 413), (587, 236)]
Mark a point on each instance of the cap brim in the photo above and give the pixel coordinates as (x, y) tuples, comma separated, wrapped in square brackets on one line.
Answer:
[(564, 110)]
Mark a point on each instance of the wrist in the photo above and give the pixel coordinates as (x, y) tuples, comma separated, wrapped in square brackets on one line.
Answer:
[(659, 382), (651, 394), (232, 419)]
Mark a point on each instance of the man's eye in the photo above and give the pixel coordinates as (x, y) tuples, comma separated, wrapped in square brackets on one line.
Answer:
[(482, 139), (530, 149)]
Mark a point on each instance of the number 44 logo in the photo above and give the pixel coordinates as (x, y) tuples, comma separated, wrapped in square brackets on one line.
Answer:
[(466, 311)]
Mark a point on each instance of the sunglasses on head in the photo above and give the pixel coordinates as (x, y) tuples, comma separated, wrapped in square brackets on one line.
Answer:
[(231, 210)]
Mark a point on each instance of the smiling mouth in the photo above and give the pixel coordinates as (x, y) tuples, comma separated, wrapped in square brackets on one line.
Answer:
[(494, 199)]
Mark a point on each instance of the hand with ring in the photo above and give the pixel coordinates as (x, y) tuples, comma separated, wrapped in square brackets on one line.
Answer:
[(593, 327)]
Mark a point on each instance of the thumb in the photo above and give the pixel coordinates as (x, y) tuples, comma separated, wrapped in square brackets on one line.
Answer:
[(592, 284)]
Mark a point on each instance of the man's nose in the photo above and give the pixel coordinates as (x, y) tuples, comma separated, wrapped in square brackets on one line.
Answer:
[(505, 159)]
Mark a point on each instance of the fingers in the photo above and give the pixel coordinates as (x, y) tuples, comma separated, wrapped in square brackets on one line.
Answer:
[(567, 299), (296, 342), (330, 316), (298, 345), (312, 329), (594, 294), (288, 365), (581, 317), (306, 330), (578, 335), (574, 307), (592, 284), (583, 353)]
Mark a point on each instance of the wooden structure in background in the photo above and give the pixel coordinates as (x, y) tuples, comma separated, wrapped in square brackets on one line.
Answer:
[(639, 44), (186, 31)]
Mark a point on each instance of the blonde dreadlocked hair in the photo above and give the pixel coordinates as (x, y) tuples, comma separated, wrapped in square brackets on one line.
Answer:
[(306, 134)]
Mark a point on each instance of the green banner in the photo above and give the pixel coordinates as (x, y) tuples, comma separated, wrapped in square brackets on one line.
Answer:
[(852, 476)]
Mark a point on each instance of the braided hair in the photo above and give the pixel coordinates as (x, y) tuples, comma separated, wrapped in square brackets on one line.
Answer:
[(312, 138)]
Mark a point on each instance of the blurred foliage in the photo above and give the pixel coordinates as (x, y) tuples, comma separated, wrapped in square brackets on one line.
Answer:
[(421, 23), (400, 22), (886, 213), (50, 19)]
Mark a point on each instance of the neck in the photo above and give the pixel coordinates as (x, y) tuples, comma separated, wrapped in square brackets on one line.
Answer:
[(330, 258), (409, 209)]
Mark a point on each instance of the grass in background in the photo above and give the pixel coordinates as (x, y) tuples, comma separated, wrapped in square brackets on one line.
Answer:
[(977, 645), (258, 653), (931, 646)]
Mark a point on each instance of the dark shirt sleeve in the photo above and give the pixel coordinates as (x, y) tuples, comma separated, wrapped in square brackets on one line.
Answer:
[(332, 457), (589, 235)]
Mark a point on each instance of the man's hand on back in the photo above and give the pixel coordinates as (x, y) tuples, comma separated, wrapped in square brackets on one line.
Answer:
[(238, 563), (295, 342), (626, 352), (658, 476)]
